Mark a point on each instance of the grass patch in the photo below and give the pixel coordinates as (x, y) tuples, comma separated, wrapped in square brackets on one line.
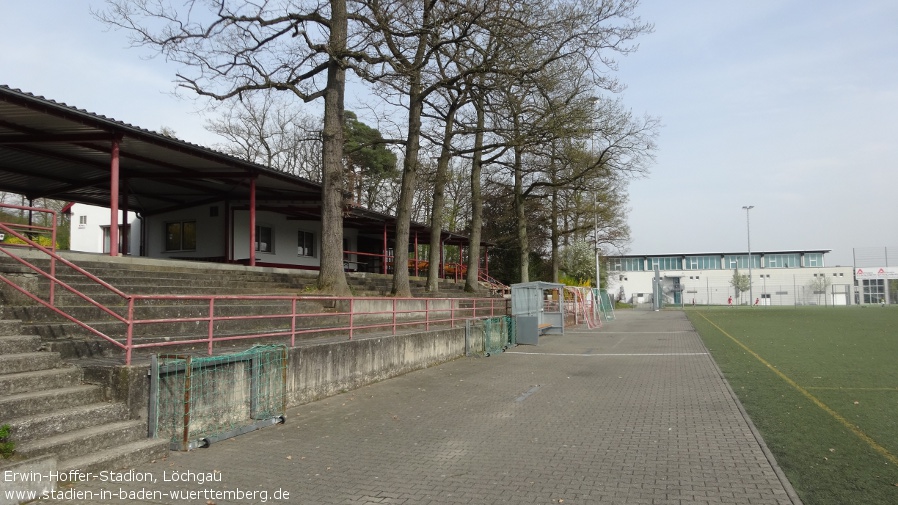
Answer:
[(834, 429), (7, 446)]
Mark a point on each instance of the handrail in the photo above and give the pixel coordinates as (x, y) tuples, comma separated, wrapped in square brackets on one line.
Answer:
[(32, 228), (495, 284), (401, 312), (12, 228)]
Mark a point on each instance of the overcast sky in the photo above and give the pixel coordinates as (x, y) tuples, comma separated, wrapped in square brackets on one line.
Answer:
[(787, 105)]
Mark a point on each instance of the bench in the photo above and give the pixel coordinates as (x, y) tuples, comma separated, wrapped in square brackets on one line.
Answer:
[(354, 266), (543, 327)]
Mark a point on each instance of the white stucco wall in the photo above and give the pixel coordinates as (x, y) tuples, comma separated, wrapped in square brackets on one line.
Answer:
[(784, 286), (210, 232), (88, 237)]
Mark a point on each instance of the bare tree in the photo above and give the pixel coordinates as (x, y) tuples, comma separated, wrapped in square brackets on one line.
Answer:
[(267, 129), (231, 49), (406, 36), (576, 39)]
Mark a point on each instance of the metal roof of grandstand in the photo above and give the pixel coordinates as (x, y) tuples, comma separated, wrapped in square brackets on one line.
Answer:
[(52, 150)]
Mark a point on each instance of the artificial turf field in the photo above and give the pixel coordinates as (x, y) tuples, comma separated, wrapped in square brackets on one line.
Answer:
[(821, 385)]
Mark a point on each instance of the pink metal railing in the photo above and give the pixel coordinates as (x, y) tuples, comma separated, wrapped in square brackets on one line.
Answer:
[(391, 316), (13, 230), (382, 313)]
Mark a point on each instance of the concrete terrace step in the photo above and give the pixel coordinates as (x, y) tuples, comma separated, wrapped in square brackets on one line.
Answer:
[(75, 443), (35, 402), (256, 323), (39, 380), (48, 424), (164, 309), (27, 362), (9, 326), (118, 457), (177, 288), (12, 344)]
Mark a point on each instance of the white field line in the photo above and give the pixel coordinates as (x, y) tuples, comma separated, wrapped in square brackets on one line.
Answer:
[(608, 354), (630, 332)]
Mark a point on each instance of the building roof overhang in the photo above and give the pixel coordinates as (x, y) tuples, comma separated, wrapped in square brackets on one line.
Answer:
[(52, 150)]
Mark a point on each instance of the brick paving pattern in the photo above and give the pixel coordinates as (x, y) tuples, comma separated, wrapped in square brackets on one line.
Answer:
[(635, 412)]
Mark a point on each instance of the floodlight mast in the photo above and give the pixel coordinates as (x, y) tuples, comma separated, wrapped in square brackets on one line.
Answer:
[(751, 295), (595, 209)]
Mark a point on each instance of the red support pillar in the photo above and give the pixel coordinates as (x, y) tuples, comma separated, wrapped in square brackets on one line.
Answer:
[(385, 248), (113, 197), (126, 231), (252, 222), (486, 260)]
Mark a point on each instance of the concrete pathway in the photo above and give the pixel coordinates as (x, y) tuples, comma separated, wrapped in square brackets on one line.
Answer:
[(635, 412)]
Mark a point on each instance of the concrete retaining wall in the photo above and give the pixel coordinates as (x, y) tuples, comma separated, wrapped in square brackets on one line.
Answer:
[(323, 370), (314, 371)]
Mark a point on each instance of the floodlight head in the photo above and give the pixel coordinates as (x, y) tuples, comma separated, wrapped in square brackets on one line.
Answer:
[(748, 207)]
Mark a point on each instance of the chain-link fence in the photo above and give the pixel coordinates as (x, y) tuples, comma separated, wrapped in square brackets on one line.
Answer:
[(816, 289), (489, 336), (197, 400), (875, 256)]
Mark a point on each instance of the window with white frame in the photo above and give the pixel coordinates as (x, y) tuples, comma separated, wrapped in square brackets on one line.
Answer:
[(667, 263), (702, 262), (634, 264), (782, 260), (741, 261), (812, 260), (626, 264)]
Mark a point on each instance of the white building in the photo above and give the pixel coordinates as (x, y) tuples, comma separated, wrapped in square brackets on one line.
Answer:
[(777, 278), (90, 229)]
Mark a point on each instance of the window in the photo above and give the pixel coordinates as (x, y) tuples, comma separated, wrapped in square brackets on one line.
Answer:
[(634, 264), (180, 236), (703, 263), (812, 260), (874, 290), (82, 219), (741, 261), (669, 263), (106, 237), (306, 244), (264, 239), (782, 260), (626, 265)]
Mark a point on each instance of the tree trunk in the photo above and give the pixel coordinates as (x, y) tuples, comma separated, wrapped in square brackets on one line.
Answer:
[(439, 201), (556, 259), (401, 286), (472, 283), (331, 276), (521, 214)]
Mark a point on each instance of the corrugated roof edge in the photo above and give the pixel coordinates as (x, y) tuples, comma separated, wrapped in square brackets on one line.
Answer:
[(152, 135)]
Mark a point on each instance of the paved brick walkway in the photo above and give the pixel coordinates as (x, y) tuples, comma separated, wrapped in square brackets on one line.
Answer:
[(633, 413)]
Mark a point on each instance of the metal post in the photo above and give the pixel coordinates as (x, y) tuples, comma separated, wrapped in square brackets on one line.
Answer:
[(751, 295), (596, 232)]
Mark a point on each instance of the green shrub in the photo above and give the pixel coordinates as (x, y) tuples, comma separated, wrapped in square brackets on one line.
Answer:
[(41, 240), (7, 447)]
